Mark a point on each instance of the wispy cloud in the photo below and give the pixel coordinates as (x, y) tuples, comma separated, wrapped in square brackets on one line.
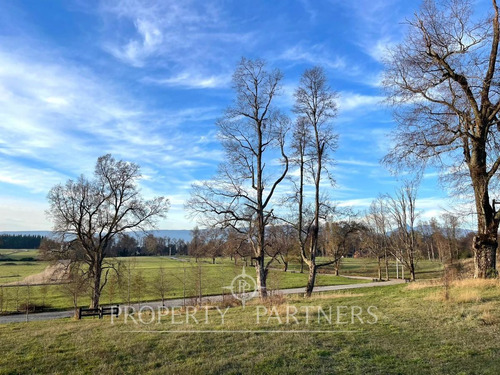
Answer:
[(175, 36), (349, 101), (315, 55), (191, 80), (360, 163), (60, 117), (381, 22)]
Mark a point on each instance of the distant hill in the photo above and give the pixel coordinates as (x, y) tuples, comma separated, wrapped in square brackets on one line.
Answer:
[(183, 234)]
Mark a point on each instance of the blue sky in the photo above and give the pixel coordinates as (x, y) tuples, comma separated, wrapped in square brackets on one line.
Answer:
[(146, 81)]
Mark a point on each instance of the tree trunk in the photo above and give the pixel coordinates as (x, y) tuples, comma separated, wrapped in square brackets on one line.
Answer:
[(485, 243), (337, 267), (379, 269), (213, 260), (301, 265), (386, 259), (96, 287), (285, 268), (412, 272), (311, 279), (485, 248), (261, 274)]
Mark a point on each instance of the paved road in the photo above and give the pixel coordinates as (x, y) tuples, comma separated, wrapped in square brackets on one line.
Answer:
[(17, 318)]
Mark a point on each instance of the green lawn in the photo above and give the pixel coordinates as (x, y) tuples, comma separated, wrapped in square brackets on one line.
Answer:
[(182, 276), (182, 279), (425, 269), (417, 332)]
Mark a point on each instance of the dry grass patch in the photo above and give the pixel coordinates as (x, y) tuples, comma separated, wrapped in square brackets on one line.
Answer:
[(458, 291), (465, 295), (424, 284), (488, 313), (436, 296), (476, 283)]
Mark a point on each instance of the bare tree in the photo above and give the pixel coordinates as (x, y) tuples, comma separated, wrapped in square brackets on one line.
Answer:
[(283, 243), (91, 212), (253, 136), (197, 244), (377, 236), (237, 245), (215, 239), (77, 285), (401, 208), (151, 244), (444, 82), (338, 239), (314, 140), (161, 284)]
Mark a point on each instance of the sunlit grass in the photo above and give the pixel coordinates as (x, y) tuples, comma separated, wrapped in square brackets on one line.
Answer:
[(413, 335)]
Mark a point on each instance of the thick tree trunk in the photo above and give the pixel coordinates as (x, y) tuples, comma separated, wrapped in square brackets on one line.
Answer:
[(285, 264), (485, 249), (311, 279), (261, 274), (485, 243), (96, 287)]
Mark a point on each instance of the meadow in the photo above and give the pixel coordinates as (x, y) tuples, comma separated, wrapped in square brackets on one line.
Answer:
[(183, 278), (421, 328)]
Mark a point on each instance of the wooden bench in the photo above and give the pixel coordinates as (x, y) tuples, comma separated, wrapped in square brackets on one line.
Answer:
[(100, 311)]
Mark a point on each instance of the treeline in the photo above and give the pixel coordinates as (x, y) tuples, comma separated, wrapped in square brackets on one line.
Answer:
[(123, 246), (374, 235), (20, 241), (127, 245)]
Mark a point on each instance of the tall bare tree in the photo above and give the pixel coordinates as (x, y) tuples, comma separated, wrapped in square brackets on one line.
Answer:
[(402, 211), (253, 135), (314, 141), (444, 82), (92, 212), (377, 234)]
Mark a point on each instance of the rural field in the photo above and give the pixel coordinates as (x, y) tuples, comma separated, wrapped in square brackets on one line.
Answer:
[(183, 277), (418, 331)]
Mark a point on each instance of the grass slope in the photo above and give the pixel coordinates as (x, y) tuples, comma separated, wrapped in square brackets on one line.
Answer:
[(418, 332)]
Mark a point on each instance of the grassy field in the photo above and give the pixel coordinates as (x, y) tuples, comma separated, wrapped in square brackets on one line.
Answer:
[(425, 269), (182, 279), (418, 331)]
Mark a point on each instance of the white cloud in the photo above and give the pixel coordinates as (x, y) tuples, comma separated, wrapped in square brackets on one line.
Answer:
[(315, 55), (349, 101), (361, 163), (359, 203), (192, 80), (170, 33)]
